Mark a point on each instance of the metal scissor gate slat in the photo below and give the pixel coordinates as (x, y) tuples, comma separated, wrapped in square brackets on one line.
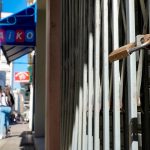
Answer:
[(104, 105)]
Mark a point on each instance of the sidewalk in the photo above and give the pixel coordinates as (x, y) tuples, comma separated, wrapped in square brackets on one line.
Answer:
[(15, 140)]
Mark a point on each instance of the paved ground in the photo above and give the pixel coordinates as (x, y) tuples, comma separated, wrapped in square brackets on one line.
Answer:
[(14, 140)]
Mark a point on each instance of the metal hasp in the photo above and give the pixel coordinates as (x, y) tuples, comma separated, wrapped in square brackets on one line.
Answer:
[(128, 49)]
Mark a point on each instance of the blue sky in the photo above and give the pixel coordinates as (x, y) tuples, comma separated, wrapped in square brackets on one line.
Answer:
[(15, 6)]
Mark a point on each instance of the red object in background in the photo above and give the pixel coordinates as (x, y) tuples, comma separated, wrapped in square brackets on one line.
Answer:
[(22, 76)]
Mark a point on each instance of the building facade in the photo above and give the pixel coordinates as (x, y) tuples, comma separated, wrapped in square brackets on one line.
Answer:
[(5, 71)]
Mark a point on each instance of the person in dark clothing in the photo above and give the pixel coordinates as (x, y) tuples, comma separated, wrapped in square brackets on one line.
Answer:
[(10, 98)]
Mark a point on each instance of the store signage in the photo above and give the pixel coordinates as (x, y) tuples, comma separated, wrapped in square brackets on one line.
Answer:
[(19, 28), (22, 76), (17, 36)]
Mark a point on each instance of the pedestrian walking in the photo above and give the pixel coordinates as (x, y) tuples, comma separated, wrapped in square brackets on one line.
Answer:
[(10, 101), (5, 110)]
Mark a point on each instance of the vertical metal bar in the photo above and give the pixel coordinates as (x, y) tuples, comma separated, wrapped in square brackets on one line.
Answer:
[(76, 109), (76, 92), (116, 79), (80, 120), (146, 98), (145, 16), (69, 80), (81, 54), (123, 87), (146, 106), (131, 68), (85, 97), (66, 66), (106, 134), (79, 64), (71, 74), (139, 76), (75, 130), (141, 53), (123, 17), (97, 75), (90, 92), (85, 86)]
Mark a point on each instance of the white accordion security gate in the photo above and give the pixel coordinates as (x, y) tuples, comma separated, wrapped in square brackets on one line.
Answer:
[(104, 105)]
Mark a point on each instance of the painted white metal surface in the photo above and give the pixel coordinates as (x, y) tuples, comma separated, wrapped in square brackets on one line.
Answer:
[(90, 92), (85, 97), (106, 134), (97, 76), (131, 68), (75, 130), (116, 80), (80, 119), (31, 108), (139, 75)]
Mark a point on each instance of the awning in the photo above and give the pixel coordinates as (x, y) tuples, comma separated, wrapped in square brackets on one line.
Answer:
[(18, 33)]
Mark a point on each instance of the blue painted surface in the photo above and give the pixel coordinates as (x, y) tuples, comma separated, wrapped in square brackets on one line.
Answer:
[(19, 28), (15, 6)]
